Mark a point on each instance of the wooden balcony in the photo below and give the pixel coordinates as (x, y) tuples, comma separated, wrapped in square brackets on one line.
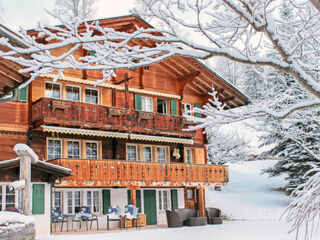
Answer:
[(76, 114), (119, 173)]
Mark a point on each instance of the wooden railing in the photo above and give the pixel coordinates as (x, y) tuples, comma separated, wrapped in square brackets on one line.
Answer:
[(119, 170), (76, 114)]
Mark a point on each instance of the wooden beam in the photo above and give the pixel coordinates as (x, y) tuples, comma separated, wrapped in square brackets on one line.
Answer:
[(176, 68), (168, 69), (13, 66), (183, 81), (11, 74), (194, 89), (6, 80)]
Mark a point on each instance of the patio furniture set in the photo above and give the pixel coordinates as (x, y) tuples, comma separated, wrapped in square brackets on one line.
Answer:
[(115, 213), (190, 217)]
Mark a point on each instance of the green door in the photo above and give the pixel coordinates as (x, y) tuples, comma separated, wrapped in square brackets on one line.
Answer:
[(105, 201), (150, 206), (38, 199), (174, 199)]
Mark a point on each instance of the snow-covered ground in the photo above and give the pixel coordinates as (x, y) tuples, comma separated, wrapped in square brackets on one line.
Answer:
[(249, 199)]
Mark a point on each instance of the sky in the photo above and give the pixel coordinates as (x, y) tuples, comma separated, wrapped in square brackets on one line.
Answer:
[(27, 13)]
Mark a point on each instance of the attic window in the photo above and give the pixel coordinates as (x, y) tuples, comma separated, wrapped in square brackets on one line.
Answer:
[(92, 53), (146, 68), (134, 68)]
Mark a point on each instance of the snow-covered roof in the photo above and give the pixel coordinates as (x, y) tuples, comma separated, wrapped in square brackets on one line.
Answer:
[(39, 165)]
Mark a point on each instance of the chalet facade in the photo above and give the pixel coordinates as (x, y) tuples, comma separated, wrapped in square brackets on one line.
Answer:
[(123, 140)]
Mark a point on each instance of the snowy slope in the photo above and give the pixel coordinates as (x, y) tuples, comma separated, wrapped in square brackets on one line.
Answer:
[(249, 195)]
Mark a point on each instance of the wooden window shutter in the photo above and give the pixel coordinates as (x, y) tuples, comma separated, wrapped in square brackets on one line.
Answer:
[(138, 193), (23, 94), (174, 199), (173, 106), (129, 197), (106, 202), (197, 105), (38, 199), (137, 102)]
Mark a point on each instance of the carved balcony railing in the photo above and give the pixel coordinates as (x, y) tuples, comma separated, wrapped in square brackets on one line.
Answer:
[(121, 173), (76, 114)]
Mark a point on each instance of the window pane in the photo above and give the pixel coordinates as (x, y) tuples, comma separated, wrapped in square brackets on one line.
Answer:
[(165, 200), (10, 198), (185, 108), (52, 90), (147, 154), (0, 198), (160, 200), (77, 201), (73, 93), (69, 196), (96, 202), (132, 153), (73, 149), (92, 96), (89, 200), (92, 150), (54, 149), (189, 155), (147, 104), (161, 152), (57, 199), (162, 106)]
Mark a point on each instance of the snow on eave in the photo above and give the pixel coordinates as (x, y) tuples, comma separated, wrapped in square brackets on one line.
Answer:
[(10, 162), (13, 36), (64, 170)]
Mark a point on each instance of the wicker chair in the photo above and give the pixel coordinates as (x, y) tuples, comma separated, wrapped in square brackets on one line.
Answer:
[(213, 215)]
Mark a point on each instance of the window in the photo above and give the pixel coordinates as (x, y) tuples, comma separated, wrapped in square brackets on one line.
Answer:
[(57, 199), (161, 154), (0, 198), (95, 204), (189, 194), (132, 153), (189, 156), (146, 104), (185, 108), (53, 90), (92, 150), (147, 153), (73, 201), (92, 96), (73, 149), (162, 106), (73, 93), (54, 149), (10, 197), (163, 200)]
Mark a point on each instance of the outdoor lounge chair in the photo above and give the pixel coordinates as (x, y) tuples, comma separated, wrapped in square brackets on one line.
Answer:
[(179, 217), (58, 217), (131, 213), (213, 215), (86, 216), (114, 214)]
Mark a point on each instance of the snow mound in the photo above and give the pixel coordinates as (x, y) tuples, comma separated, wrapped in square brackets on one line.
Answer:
[(250, 195), (7, 218)]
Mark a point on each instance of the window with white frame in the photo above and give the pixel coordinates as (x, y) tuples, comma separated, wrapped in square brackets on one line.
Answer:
[(10, 197), (161, 154), (93, 201), (73, 93), (188, 155), (162, 106), (57, 199), (92, 96), (53, 90), (73, 201), (54, 149), (92, 150), (132, 153), (185, 108), (146, 104), (147, 153), (163, 200), (73, 149)]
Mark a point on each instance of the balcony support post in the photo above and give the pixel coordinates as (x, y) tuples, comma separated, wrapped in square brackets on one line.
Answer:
[(133, 190), (201, 201)]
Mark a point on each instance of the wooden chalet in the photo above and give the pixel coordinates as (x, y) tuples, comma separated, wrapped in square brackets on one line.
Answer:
[(123, 140)]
